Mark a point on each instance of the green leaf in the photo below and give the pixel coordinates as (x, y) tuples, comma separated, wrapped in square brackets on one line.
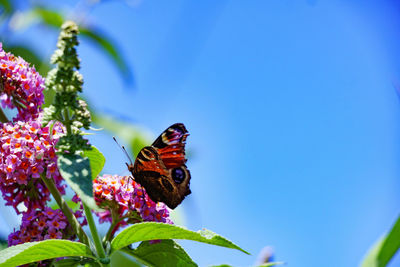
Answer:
[(165, 253), (124, 259), (131, 134), (151, 231), (3, 244), (48, 16), (74, 206), (383, 250), (42, 250), (74, 261), (268, 264), (55, 19), (97, 161), (109, 47), (7, 5), (76, 171)]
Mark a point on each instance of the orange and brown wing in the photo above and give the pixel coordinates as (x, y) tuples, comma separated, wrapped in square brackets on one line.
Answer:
[(171, 145)]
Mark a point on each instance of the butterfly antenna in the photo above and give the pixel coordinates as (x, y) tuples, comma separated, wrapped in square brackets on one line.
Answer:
[(124, 150)]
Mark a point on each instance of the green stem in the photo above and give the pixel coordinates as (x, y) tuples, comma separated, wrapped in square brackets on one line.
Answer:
[(95, 234), (3, 117), (115, 220), (111, 230), (67, 121), (66, 210)]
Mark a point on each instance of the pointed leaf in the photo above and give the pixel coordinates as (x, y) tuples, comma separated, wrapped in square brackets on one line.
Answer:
[(42, 250), (97, 161), (55, 19), (49, 17), (383, 250), (164, 253), (76, 171), (109, 47), (131, 134), (152, 231)]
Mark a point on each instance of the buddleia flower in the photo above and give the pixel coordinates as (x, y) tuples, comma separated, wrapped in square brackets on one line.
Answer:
[(21, 86)]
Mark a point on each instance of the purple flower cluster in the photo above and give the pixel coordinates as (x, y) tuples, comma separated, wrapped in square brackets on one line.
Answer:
[(39, 225), (27, 151), (21, 86), (122, 196)]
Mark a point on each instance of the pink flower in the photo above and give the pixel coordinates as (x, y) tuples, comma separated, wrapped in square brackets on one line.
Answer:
[(28, 152), (38, 225), (123, 196), (21, 86)]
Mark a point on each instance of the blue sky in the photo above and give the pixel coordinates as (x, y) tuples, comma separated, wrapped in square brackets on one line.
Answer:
[(292, 112)]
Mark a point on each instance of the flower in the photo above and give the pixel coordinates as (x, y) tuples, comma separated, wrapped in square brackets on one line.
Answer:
[(39, 225), (21, 86), (122, 197), (28, 152)]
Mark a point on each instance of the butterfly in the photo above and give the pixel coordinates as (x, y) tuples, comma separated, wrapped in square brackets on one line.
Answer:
[(160, 168)]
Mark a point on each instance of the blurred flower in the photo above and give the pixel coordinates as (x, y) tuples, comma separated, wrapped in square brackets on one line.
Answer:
[(39, 225), (266, 255), (28, 151), (122, 197), (21, 86)]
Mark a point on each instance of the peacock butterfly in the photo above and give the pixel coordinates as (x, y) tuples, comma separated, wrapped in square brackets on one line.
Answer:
[(160, 168)]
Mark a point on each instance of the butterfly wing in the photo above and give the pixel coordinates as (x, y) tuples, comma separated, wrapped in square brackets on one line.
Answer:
[(171, 145), (161, 168)]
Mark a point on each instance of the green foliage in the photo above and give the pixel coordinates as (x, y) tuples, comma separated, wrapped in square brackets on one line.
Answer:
[(7, 6), (268, 264), (152, 231), (166, 253), (123, 259), (97, 161), (3, 244), (50, 17), (79, 163), (100, 39), (383, 251), (74, 206), (55, 19), (76, 172), (37, 251), (133, 135)]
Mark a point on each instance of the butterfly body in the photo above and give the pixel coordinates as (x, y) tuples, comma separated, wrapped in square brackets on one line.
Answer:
[(160, 168)]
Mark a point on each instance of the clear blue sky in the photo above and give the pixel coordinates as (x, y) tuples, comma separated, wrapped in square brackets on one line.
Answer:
[(292, 111)]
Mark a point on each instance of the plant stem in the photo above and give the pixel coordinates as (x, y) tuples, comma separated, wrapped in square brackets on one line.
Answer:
[(67, 121), (3, 117), (95, 234), (115, 221), (110, 231), (66, 210)]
